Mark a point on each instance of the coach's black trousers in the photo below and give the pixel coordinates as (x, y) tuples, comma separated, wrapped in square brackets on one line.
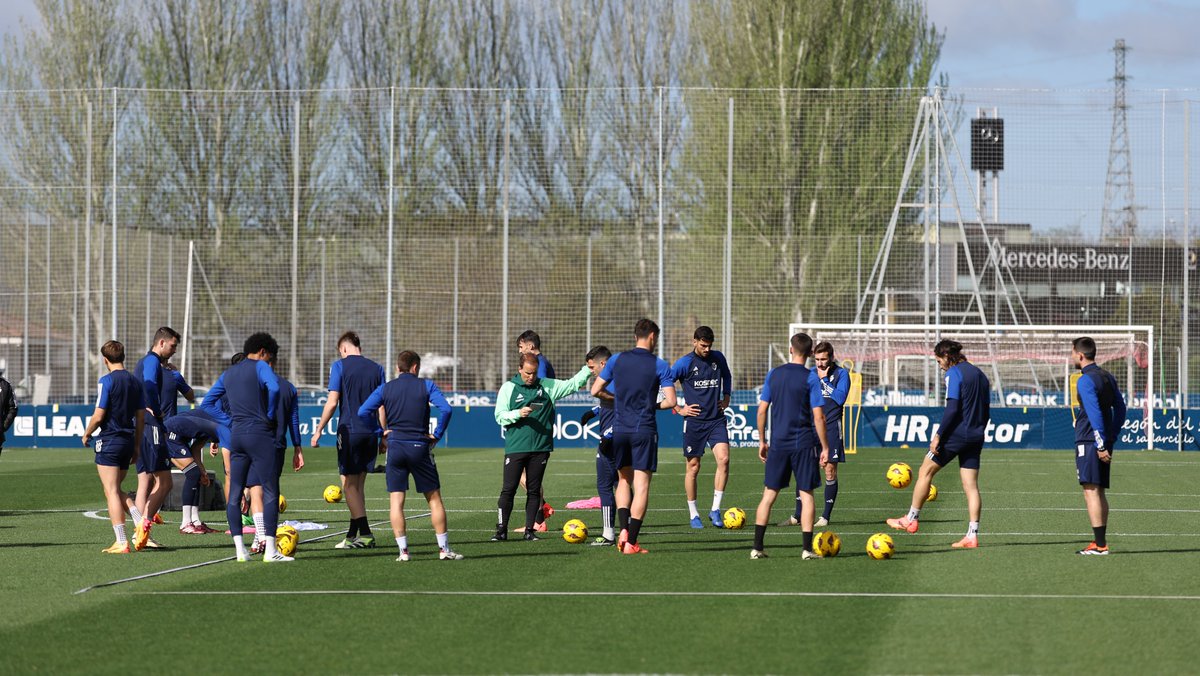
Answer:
[(534, 467)]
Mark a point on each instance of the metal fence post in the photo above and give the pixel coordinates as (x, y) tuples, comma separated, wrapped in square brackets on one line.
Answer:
[(295, 330), (504, 246)]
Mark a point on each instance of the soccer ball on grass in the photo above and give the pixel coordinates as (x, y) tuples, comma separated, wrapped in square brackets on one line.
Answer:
[(881, 546), (282, 503), (827, 543), (333, 493), (932, 493), (734, 518), (575, 531), (899, 475)]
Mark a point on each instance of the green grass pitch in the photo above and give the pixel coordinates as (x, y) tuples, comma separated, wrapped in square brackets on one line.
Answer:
[(1022, 603)]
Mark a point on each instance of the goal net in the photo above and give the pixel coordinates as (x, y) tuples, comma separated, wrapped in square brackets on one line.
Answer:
[(1027, 365)]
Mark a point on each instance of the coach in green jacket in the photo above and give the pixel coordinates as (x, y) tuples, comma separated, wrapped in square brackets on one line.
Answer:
[(525, 412)]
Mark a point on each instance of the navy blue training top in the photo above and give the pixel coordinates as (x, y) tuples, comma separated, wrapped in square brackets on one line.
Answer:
[(354, 378), (835, 387), (173, 385), (150, 371), (636, 377), (793, 392), (405, 402), (1103, 408), (196, 424), (287, 415), (705, 382), (251, 389), (545, 370), (121, 398), (968, 404)]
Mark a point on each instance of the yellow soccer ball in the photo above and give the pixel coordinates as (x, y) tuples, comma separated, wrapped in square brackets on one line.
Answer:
[(575, 531), (827, 543), (932, 493), (285, 543), (899, 475), (734, 518), (333, 493), (282, 504), (881, 546), (287, 530)]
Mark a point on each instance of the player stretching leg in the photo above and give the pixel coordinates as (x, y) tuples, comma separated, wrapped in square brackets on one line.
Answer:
[(405, 406), (119, 418), (707, 383), (968, 404), (639, 379), (791, 395), (1097, 429)]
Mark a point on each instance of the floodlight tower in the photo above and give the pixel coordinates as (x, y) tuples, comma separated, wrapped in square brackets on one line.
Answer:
[(1119, 218)]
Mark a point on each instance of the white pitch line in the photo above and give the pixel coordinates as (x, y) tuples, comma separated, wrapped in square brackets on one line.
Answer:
[(620, 594), (209, 563)]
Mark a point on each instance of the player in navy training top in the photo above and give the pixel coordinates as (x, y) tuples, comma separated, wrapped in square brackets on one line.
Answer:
[(606, 463), (835, 387), (287, 422), (1097, 429), (173, 385), (351, 380), (119, 417), (791, 395), (405, 402), (529, 342), (187, 433), (252, 391), (153, 464), (707, 383), (639, 380), (960, 434)]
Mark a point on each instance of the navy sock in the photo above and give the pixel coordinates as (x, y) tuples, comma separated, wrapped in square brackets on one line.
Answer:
[(1099, 535), (635, 527), (830, 498), (759, 532), (808, 540), (799, 507), (191, 485)]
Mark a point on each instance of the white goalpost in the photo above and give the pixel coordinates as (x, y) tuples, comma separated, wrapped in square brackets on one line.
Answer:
[(1028, 365)]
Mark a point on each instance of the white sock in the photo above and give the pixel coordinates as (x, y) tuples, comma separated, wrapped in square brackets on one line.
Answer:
[(913, 514), (717, 495), (240, 545), (692, 511), (271, 549), (187, 516), (402, 542), (972, 529), (606, 516), (119, 531), (260, 526), (443, 541), (136, 514)]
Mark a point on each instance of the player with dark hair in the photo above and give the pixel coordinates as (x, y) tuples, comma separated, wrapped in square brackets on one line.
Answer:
[(606, 462), (351, 380), (153, 464), (251, 389), (287, 421), (791, 395), (119, 417), (707, 383), (525, 410), (960, 435), (639, 380), (405, 402), (1097, 429), (835, 387)]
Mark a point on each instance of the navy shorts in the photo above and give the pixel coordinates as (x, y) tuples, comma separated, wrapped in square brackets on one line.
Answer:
[(356, 452), (252, 477), (154, 457), (837, 447), (113, 451), (1088, 467), (697, 434), (638, 450), (967, 453), (178, 448), (781, 465), (411, 458)]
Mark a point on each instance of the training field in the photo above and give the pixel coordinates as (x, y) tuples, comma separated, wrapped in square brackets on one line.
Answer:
[(1022, 603)]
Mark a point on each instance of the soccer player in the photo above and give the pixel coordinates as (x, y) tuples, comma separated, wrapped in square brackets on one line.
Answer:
[(1096, 431), (405, 402), (287, 421), (529, 342), (8, 407), (791, 395), (835, 387), (153, 464), (525, 409), (351, 380), (960, 435), (187, 433), (119, 417), (707, 383), (251, 390), (642, 384), (606, 462), (174, 385)]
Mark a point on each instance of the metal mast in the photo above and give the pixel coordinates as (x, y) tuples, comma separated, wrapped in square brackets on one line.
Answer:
[(1119, 219)]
